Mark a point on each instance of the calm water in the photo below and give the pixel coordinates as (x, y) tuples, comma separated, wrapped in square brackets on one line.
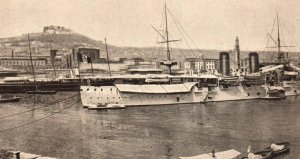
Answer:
[(147, 132)]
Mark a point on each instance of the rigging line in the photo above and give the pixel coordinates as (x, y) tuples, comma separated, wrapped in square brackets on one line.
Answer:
[(158, 34), (268, 39), (159, 51), (291, 35), (154, 48), (156, 45), (184, 31), (161, 26), (32, 122), (194, 54), (283, 39), (161, 45), (182, 35), (49, 104), (180, 50)]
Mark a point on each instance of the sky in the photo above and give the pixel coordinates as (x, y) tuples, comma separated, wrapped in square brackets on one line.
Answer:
[(211, 24)]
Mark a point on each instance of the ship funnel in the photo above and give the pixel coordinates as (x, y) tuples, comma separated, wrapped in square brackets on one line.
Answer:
[(253, 62), (224, 64)]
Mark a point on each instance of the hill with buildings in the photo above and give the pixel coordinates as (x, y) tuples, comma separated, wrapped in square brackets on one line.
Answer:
[(63, 39)]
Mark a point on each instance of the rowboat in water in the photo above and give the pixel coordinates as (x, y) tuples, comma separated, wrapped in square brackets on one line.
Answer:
[(228, 154)]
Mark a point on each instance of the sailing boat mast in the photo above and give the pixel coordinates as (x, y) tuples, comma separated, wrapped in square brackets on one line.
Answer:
[(32, 68), (107, 57)]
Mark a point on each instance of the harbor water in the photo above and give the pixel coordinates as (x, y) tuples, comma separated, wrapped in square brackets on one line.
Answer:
[(58, 126)]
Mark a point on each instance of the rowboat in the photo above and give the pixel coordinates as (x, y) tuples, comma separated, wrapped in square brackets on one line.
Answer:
[(228, 154)]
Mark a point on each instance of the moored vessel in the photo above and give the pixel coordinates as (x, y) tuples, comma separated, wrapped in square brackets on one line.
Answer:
[(141, 90), (147, 89)]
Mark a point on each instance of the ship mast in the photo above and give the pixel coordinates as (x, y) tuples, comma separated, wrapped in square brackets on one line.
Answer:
[(32, 68), (280, 54), (169, 63), (167, 34)]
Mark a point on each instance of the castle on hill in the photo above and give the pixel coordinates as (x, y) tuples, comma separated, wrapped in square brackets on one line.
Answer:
[(57, 30)]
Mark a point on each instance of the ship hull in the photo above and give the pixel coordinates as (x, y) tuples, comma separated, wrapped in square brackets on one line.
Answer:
[(92, 96), (291, 88), (235, 93)]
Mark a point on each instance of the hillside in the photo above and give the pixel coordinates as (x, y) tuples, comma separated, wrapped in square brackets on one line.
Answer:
[(40, 43)]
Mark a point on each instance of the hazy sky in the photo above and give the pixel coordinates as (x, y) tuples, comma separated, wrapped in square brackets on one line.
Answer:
[(212, 24)]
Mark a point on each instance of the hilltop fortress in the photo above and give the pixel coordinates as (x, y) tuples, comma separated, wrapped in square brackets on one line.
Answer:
[(57, 30)]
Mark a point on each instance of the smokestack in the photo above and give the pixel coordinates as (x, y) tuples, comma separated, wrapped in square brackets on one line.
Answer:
[(224, 63), (12, 54), (237, 51)]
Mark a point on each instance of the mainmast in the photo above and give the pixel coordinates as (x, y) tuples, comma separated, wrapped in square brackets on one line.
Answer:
[(32, 68), (169, 63), (167, 34), (280, 54)]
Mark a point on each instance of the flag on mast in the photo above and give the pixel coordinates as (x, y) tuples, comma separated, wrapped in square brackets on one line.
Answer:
[(84, 59)]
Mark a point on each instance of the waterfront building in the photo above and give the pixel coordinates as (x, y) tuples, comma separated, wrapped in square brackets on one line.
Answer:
[(198, 65), (245, 66), (23, 62)]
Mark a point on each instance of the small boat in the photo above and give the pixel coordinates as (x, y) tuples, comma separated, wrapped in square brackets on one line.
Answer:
[(41, 92), (11, 99), (107, 106), (266, 154), (228, 154), (279, 148)]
